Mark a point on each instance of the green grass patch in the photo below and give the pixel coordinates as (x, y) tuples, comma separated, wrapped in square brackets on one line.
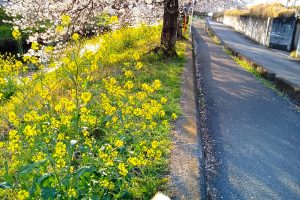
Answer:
[(248, 67), (5, 31)]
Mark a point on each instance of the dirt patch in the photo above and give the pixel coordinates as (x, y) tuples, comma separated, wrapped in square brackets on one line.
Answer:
[(185, 165)]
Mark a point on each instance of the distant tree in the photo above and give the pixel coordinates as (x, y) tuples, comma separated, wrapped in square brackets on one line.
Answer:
[(42, 18), (219, 5)]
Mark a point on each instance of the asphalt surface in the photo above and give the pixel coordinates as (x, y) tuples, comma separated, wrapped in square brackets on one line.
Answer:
[(273, 60), (256, 133)]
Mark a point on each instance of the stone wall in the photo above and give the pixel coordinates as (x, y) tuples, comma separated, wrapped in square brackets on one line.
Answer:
[(258, 29), (275, 33)]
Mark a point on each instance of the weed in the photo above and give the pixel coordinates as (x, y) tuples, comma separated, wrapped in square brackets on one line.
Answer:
[(293, 54)]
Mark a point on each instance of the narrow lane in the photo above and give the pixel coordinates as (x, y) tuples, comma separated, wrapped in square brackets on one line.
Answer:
[(280, 64), (256, 133)]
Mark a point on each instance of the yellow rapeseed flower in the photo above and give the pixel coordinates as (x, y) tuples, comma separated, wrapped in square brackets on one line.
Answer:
[(16, 34), (136, 56), (128, 85), (60, 137), (75, 36), (162, 113), (114, 20), (119, 143), (174, 116), (49, 49), (86, 96), (66, 20), (156, 84), (60, 163), (163, 100), (30, 131), (72, 193), (128, 74), (72, 169), (139, 65), (60, 150), (59, 29), (23, 194), (104, 183), (154, 144), (122, 169), (2, 81), (40, 156), (133, 161), (35, 46)]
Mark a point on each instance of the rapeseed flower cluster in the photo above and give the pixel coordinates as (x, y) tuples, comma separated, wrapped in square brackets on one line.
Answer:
[(10, 70), (92, 128)]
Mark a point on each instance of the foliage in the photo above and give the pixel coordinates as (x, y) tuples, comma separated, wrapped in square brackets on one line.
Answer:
[(237, 12), (273, 10), (96, 127), (5, 31), (10, 69)]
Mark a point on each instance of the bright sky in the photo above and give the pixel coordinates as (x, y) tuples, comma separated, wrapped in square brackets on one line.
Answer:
[(291, 2)]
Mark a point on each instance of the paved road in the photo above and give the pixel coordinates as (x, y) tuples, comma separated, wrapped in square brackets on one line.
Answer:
[(274, 61), (256, 132)]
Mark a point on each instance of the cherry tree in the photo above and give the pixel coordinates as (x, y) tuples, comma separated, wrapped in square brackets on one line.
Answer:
[(42, 19), (219, 5), (52, 21)]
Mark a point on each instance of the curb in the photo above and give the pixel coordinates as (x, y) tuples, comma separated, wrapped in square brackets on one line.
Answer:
[(202, 179), (292, 90)]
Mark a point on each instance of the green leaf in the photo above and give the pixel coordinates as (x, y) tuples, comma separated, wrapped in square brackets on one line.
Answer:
[(26, 169), (48, 193), (107, 197), (33, 187), (44, 178), (85, 169), (5, 185), (6, 167), (66, 179), (125, 195)]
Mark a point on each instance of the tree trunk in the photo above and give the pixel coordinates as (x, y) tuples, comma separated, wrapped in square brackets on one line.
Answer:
[(169, 31)]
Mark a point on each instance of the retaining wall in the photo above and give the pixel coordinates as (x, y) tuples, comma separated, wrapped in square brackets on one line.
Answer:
[(276, 33)]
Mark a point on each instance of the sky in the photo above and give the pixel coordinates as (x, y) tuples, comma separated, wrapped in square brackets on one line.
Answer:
[(291, 3)]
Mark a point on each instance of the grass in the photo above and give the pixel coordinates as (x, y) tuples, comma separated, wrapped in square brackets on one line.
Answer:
[(5, 31), (273, 10), (216, 40)]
